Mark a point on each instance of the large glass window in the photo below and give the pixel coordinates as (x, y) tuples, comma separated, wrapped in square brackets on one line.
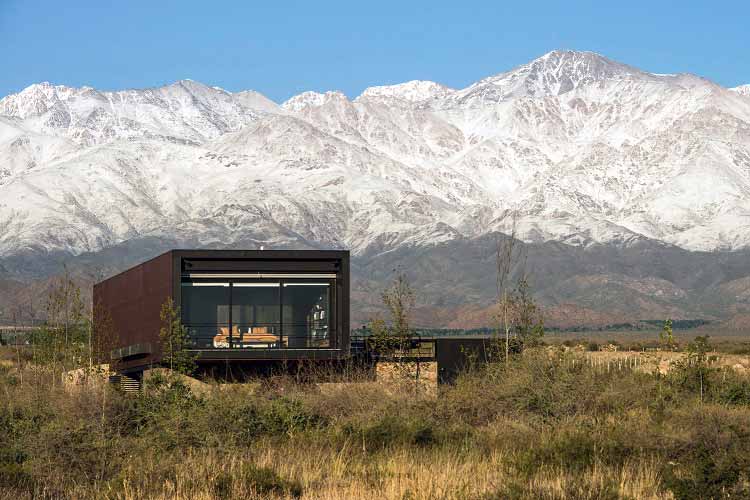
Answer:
[(205, 313), (241, 313), (306, 314), (256, 314)]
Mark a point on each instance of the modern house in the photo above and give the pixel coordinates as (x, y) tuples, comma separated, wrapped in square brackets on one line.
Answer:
[(240, 307)]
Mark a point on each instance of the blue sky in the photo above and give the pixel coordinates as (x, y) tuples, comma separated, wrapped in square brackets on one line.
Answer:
[(282, 48)]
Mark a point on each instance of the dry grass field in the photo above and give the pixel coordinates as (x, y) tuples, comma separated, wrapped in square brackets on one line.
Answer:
[(539, 426)]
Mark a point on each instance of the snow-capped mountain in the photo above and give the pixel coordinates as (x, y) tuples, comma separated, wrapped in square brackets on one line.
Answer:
[(185, 111), (586, 150), (553, 74), (413, 91)]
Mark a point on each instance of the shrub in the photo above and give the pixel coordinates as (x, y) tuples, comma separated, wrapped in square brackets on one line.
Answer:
[(607, 489), (707, 476), (713, 459), (736, 391), (422, 434), (11, 455), (577, 487), (222, 485), (287, 416), (13, 476), (575, 450), (265, 481), (392, 430), (166, 412)]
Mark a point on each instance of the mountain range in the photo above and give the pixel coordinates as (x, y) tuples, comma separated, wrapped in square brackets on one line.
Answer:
[(618, 180)]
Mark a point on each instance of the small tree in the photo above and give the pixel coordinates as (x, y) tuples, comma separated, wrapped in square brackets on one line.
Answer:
[(381, 339), (666, 335), (174, 340), (62, 341), (395, 338), (698, 361), (529, 321), (506, 256), (398, 299), (517, 312), (694, 369)]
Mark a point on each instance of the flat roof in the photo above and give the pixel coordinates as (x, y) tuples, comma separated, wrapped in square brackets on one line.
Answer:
[(220, 253)]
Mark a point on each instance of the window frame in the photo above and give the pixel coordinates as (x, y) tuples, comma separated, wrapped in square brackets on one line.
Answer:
[(280, 280)]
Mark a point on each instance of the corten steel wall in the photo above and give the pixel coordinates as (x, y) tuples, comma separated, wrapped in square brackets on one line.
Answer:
[(133, 301)]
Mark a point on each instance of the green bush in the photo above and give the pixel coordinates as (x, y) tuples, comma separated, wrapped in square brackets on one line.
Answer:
[(14, 477), (265, 481), (11, 455), (607, 490), (24, 419), (377, 435), (735, 391), (222, 485), (707, 475), (713, 459), (422, 434), (392, 430), (572, 488), (574, 450), (161, 402), (287, 416)]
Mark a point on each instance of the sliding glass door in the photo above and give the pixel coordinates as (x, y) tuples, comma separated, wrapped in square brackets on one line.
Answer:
[(256, 315)]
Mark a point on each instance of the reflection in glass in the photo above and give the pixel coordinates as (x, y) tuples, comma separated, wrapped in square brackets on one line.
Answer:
[(306, 314), (264, 314), (205, 313), (255, 315)]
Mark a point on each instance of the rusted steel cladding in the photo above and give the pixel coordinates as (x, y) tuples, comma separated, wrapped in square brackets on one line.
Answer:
[(129, 305)]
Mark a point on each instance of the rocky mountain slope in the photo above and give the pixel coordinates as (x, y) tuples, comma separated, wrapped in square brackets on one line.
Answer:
[(588, 152)]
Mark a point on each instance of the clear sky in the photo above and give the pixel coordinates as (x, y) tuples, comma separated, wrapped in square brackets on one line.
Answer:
[(281, 48)]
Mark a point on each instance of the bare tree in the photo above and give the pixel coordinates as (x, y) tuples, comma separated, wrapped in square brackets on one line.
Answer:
[(65, 308), (62, 338), (506, 257), (396, 338), (517, 312), (399, 300)]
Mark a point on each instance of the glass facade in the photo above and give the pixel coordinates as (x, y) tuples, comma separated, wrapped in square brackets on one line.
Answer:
[(292, 313), (205, 312), (305, 314)]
